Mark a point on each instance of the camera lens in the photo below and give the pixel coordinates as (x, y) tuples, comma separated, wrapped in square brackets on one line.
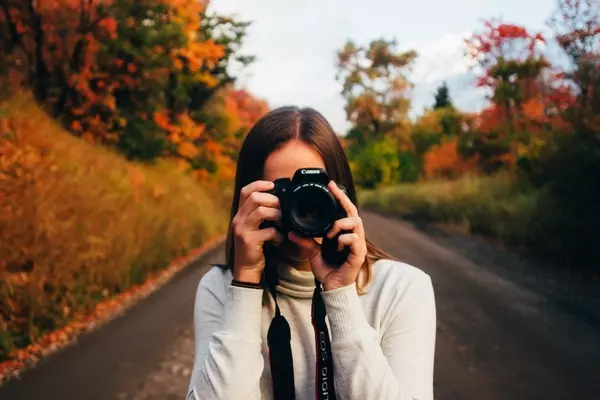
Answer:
[(312, 210)]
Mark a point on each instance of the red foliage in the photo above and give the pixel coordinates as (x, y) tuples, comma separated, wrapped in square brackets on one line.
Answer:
[(527, 94), (501, 41)]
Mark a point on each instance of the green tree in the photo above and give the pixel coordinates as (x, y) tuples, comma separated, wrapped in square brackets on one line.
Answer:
[(442, 97), (377, 164)]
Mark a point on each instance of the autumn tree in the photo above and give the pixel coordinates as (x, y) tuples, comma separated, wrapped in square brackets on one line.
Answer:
[(568, 169), (375, 87), (377, 92), (160, 68), (433, 127), (444, 160), (50, 42), (129, 73), (227, 117), (510, 62), (576, 24)]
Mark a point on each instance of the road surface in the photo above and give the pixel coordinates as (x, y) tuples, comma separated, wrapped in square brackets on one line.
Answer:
[(506, 330)]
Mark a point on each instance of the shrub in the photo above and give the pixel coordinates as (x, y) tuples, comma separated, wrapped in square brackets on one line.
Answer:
[(79, 223), (377, 164)]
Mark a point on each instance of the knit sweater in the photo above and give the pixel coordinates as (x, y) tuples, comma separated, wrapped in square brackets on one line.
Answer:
[(382, 342)]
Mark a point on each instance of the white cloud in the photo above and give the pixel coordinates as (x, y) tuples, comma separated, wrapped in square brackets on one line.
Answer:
[(441, 60)]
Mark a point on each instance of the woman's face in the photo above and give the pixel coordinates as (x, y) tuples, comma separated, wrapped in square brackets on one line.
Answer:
[(283, 163)]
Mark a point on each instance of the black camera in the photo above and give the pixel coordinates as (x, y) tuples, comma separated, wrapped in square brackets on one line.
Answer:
[(309, 209)]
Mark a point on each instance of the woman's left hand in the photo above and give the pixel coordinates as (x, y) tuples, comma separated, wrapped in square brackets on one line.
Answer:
[(330, 277)]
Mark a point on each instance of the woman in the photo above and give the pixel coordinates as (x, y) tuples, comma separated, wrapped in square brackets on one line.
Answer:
[(260, 326)]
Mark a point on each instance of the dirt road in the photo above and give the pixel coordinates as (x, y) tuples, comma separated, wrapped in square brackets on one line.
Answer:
[(506, 330)]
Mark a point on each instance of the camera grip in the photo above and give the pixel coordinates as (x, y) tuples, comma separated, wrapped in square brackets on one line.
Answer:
[(330, 253)]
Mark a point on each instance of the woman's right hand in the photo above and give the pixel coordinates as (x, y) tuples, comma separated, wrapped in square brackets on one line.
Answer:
[(255, 207)]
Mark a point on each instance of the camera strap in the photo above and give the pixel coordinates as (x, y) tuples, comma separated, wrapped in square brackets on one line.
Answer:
[(280, 352), (325, 389)]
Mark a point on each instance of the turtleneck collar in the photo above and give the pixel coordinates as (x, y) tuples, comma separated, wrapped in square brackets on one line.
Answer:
[(295, 283)]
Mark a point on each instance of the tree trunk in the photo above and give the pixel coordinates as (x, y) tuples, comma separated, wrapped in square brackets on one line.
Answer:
[(42, 75)]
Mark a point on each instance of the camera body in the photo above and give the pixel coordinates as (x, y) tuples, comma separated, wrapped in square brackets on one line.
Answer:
[(309, 209)]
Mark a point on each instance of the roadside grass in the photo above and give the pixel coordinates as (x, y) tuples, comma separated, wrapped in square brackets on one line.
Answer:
[(79, 224)]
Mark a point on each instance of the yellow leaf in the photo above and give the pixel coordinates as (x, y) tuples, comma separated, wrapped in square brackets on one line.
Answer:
[(187, 149)]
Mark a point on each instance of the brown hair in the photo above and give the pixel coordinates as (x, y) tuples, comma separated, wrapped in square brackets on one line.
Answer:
[(272, 131)]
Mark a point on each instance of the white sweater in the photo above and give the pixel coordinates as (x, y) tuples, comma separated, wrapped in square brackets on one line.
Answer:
[(382, 342)]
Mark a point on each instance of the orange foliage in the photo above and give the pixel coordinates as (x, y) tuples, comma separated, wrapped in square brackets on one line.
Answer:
[(236, 111), (249, 108), (534, 110), (74, 32), (78, 224), (444, 161)]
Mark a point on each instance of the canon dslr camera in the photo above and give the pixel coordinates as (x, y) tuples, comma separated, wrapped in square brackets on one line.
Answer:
[(309, 209)]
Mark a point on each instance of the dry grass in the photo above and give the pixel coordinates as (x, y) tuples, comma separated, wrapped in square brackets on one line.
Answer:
[(492, 206), (78, 223)]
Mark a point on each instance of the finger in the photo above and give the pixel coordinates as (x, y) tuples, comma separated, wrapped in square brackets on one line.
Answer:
[(309, 245), (266, 235), (348, 239), (260, 214), (256, 186), (346, 224), (344, 200), (257, 199), (257, 239), (357, 245)]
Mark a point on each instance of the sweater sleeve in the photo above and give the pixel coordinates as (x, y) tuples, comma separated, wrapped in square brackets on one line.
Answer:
[(227, 328), (400, 366)]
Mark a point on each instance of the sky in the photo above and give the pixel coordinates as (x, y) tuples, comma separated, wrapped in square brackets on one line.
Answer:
[(295, 43)]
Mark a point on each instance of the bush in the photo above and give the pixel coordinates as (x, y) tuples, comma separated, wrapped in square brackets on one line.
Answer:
[(78, 223), (444, 161), (492, 206), (377, 164), (570, 172)]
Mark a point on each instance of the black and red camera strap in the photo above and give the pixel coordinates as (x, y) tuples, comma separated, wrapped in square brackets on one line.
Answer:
[(280, 353)]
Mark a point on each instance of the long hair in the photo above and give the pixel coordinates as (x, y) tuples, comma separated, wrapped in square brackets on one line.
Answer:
[(272, 131)]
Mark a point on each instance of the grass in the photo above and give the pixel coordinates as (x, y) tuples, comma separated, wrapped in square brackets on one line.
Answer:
[(491, 206), (79, 224)]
